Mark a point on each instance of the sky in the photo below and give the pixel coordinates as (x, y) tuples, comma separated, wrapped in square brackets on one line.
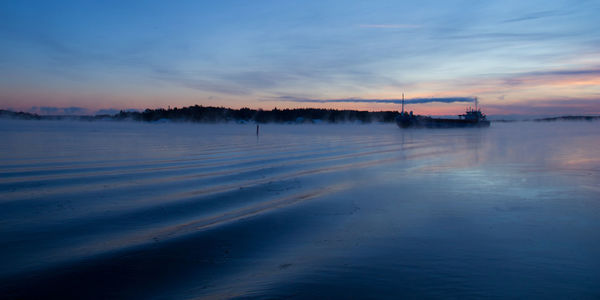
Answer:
[(515, 57)]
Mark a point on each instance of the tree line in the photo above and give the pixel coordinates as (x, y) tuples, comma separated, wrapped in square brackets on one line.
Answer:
[(210, 114)]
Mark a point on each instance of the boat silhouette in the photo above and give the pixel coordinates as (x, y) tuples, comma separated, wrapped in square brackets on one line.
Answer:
[(473, 117)]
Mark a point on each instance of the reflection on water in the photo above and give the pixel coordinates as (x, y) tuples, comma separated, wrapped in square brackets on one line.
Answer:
[(181, 210)]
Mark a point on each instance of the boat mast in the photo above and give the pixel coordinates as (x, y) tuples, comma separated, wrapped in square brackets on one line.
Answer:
[(476, 103), (403, 104)]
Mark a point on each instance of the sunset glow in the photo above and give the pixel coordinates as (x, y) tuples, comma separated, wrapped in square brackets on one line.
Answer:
[(517, 58)]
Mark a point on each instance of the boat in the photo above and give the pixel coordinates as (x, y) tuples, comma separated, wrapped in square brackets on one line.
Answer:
[(471, 118)]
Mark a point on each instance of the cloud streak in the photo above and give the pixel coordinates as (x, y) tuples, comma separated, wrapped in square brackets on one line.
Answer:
[(394, 101), (538, 15), (390, 26), (556, 77), (549, 107)]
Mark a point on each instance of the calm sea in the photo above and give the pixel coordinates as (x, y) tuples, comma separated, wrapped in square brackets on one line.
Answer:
[(135, 210)]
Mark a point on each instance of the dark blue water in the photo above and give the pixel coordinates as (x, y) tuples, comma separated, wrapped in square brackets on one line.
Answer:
[(131, 210)]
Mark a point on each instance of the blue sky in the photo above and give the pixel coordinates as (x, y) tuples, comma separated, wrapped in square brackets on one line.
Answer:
[(530, 57)]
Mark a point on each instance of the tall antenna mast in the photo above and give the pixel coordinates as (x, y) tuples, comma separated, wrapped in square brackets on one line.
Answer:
[(402, 103)]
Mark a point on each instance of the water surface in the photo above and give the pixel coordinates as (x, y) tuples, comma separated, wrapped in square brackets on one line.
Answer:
[(135, 210)]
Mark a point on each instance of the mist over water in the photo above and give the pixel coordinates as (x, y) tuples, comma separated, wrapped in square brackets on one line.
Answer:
[(136, 210)]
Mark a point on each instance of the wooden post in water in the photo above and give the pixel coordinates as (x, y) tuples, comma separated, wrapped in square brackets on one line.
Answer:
[(256, 129)]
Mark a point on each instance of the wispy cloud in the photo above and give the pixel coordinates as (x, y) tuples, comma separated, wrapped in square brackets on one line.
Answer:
[(192, 81), (556, 77), (394, 101), (390, 26), (568, 72), (538, 15), (562, 106)]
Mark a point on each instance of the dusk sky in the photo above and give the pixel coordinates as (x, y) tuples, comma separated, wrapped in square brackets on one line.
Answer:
[(516, 57)]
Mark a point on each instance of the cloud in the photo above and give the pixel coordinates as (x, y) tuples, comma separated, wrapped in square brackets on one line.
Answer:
[(395, 101), (390, 26), (190, 80), (557, 107), (538, 15), (52, 110), (577, 72), (511, 37), (555, 77)]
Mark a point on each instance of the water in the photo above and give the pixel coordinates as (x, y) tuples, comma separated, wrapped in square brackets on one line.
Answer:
[(132, 210)]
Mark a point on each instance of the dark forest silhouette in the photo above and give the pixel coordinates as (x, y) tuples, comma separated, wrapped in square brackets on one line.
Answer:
[(209, 114)]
